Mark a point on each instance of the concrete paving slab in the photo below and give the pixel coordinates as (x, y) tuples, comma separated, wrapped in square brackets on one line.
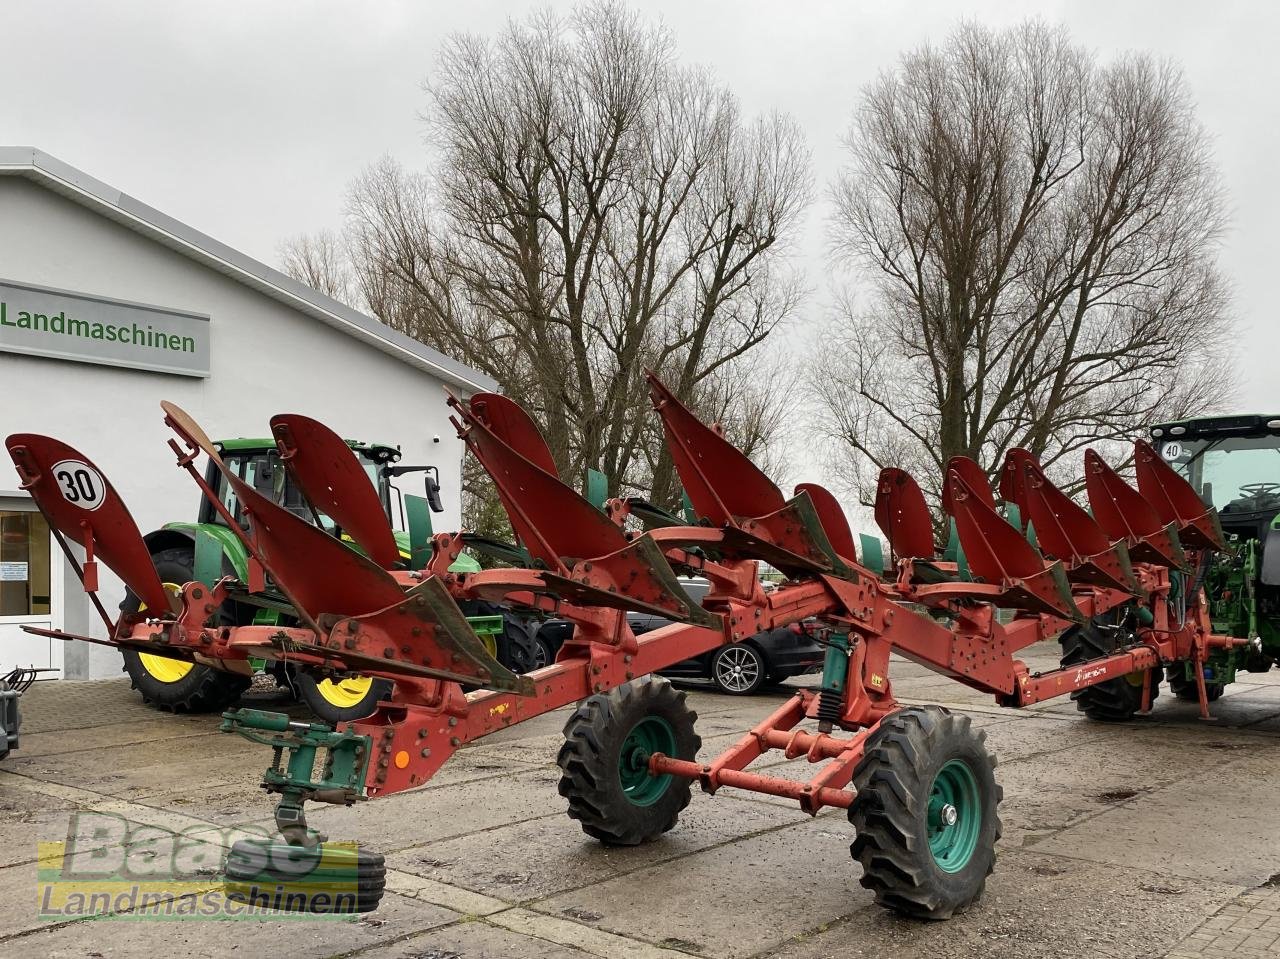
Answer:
[(66, 704), (1223, 825), (473, 940), (1064, 784), (137, 769), (411, 819), (530, 860), (1034, 906), (733, 900), (564, 931), (1100, 874), (291, 937), (156, 729)]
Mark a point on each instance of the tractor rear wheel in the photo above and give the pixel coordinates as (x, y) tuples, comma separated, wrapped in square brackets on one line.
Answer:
[(605, 761), (926, 812), (1114, 700), (173, 684), (515, 648), (1185, 689)]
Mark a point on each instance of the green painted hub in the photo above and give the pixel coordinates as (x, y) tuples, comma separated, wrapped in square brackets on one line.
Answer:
[(652, 734), (955, 816)]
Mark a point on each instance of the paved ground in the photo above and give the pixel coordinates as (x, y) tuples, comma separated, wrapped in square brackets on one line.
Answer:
[(1158, 838)]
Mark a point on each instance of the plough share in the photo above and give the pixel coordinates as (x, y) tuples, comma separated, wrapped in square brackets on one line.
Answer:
[(918, 782)]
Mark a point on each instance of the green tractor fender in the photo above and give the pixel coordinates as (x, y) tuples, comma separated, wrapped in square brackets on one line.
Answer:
[(218, 551)]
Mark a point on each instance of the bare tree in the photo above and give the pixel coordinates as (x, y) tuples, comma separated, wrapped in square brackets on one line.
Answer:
[(322, 262), (594, 209), (1038, 236)]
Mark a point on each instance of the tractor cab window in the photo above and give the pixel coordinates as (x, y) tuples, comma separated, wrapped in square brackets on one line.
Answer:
[(265, 472), (1239, 474)]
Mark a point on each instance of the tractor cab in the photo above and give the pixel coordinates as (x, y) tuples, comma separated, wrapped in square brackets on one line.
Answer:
[(1234, 464), (258, 463)]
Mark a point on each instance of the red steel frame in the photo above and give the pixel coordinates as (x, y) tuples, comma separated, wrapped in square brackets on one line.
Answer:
[(404, 625)]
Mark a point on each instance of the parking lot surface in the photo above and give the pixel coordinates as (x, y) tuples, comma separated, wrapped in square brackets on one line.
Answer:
[(1159, 837)]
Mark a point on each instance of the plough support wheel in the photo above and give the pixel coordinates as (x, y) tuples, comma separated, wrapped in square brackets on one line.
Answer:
[(926, 812), (605, 761)]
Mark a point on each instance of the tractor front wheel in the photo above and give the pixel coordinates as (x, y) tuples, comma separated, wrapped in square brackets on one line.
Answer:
[(1185, 689), (926, 812), (1113, 700), (174, 684), (342, 699), (605, 761)]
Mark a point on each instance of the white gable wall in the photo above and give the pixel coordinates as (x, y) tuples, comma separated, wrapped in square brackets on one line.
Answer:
[(266, 358)]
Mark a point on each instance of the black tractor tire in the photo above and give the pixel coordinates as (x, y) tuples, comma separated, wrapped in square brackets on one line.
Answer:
[(739, 669), (604, 761), (311, 693), (1115, 700), (203, 689), (1185, 689), (517, 649), (911, 764), (517, 646)]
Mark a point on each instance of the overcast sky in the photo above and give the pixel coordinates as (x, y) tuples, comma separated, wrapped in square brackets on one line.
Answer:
[(248, 119)]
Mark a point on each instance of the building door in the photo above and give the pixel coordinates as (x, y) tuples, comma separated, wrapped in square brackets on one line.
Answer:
[(30, 587)]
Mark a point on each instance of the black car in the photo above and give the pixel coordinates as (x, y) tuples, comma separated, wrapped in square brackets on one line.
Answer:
[(740, 668)]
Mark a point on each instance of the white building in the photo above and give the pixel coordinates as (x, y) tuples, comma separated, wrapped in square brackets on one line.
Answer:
[(139, 308)]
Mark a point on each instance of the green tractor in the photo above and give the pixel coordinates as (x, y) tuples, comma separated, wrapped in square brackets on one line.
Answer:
[(1234, 463), (206, 550)]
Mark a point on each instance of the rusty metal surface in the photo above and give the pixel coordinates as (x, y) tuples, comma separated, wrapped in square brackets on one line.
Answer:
[(555, 523), (1125, 514), (974, 476), (588, 569), (1175, 501), (999, 553), (1013, 485), (721, 482), (833, 520), (508, 421), (903, 516)]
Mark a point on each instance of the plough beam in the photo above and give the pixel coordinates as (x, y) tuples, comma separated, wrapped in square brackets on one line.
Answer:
[(630, 745)]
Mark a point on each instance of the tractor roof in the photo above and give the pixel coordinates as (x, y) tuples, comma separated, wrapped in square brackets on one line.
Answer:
[(1242, 424), (381, 452)]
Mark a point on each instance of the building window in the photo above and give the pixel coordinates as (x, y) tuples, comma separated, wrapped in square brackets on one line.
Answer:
[(24, 564)]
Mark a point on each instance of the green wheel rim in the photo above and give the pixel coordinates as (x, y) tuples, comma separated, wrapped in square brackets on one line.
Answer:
[(652, 734), (955, 816)]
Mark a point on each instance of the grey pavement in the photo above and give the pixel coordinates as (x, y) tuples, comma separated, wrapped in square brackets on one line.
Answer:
[(1159, 837)]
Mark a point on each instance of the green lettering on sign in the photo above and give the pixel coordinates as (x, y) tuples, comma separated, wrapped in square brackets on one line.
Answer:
[(75, 326)]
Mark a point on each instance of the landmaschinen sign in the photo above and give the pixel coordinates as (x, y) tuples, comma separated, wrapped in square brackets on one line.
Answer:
[(93, 329)]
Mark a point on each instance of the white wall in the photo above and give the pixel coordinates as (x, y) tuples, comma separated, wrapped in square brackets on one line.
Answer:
[(266, 359)]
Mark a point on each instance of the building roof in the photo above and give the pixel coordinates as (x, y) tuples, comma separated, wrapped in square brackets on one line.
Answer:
[(62, 178)]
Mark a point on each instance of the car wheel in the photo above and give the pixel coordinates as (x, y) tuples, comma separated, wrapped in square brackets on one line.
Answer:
[(543, 654), (738, 669)]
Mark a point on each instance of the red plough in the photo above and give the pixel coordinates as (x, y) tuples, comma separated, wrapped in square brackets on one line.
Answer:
[(918, 782)]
